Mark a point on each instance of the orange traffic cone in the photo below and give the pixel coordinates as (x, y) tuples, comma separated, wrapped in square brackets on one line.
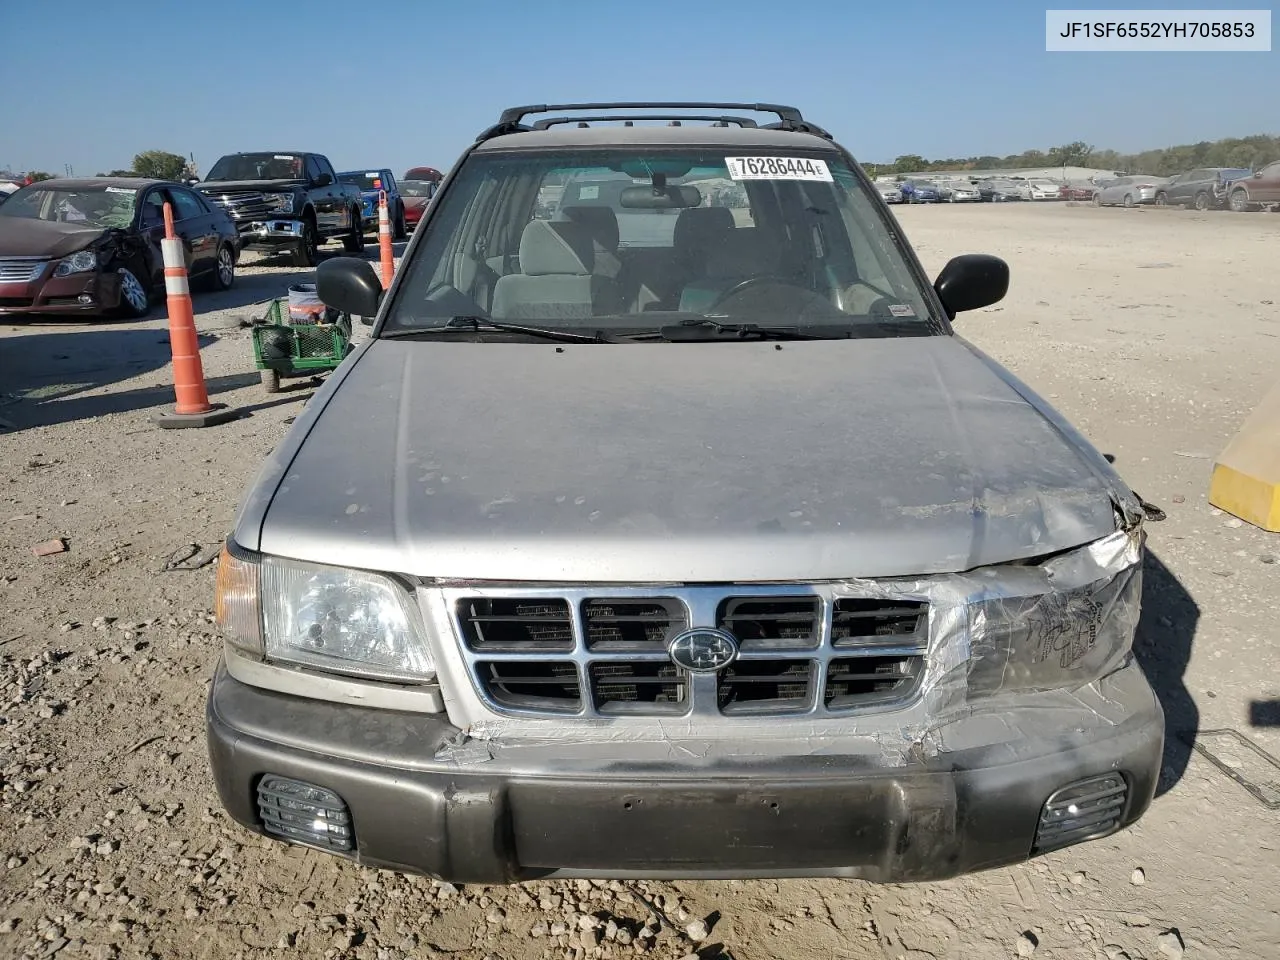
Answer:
[(384, 240), (193, 408)]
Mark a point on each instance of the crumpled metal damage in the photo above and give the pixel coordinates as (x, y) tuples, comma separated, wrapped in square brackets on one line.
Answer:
[(1017, 653)]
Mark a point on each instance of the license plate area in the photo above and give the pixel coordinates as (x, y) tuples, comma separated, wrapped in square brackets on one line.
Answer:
[(704, 826)]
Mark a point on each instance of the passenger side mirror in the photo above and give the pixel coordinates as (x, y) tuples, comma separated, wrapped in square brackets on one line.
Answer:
[(323, 180), (967, 282), (1258, 175), (349, 285)]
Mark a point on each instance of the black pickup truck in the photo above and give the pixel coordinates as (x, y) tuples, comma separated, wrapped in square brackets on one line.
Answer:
[(286, 199)]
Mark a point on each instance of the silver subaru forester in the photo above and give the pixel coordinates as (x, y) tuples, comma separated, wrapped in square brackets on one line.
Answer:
[(663, 527)]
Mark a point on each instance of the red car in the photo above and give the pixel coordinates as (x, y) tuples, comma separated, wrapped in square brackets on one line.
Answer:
[(415, 194), (1077, 192), (417, 187)]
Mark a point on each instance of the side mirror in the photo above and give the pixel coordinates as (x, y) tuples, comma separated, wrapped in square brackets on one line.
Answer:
[(1258, 175), (324, 180), (967, 282), (349, 285)]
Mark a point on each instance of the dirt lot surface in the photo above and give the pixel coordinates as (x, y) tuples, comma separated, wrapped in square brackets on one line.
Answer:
[(1155, 331)]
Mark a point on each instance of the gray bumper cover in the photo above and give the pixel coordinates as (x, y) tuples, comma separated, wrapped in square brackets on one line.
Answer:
[(805, 815)]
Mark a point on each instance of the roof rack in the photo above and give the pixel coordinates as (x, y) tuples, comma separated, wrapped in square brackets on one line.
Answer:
[(721, 121), (789, 118)]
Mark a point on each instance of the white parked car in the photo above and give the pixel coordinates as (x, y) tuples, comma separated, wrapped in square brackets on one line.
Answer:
[(1044, 190)]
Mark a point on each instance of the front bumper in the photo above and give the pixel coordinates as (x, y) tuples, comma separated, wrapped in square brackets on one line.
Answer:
[(48, 294), (524, 811), (272, 231)]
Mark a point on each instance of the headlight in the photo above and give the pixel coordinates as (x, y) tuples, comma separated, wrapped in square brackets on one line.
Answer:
[(325, 618), (80, 262), (279, 202), (343, 621), (1059, 625)]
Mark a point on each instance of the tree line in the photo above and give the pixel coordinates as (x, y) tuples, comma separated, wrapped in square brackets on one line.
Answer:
[(152, 164), (1243, 152)]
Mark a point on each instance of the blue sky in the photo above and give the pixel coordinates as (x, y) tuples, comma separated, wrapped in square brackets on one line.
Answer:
[(98, 82)]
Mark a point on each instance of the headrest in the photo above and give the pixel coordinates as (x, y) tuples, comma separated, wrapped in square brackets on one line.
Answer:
[(601, 223), (556, 248), (745, 252), (698, 226)]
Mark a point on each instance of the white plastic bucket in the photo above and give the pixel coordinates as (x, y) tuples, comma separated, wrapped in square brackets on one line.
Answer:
[(304, 304)]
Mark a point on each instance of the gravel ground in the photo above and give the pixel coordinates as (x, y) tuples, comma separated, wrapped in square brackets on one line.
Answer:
[(1155, 331)]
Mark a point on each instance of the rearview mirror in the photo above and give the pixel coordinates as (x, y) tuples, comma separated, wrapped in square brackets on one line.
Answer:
[(646, 198), (349, 285), (967, 282), (324, 180)]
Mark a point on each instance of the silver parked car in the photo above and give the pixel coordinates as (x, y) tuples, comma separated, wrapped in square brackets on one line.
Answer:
[(709, 553), (963, 191), (1130, 191)]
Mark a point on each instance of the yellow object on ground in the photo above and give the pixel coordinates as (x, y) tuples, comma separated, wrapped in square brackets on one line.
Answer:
[(1246, 478)]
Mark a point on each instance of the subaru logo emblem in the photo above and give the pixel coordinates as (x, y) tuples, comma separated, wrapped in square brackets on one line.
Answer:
[(705, 650)]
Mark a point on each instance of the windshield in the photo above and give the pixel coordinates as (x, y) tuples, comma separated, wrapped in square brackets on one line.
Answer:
[(416, 188), (367, 181), (258, 166), (637, 239), (89, 206)]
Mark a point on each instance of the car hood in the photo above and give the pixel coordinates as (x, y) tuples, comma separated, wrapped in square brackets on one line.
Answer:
[(216, 187), (685, 462), (25, 237)]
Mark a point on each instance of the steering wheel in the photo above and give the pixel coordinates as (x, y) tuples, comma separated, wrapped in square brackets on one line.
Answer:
[(747, 284)]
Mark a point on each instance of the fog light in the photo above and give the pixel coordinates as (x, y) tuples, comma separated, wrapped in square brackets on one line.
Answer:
[(304, 813), (1081, 811), (85, 298)]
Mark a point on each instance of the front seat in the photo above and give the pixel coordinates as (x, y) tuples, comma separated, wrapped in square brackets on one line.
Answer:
[(602, 224), (556, 281), (742, 255)]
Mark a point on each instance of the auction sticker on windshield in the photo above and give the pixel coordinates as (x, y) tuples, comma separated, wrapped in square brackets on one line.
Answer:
[(777, 168)]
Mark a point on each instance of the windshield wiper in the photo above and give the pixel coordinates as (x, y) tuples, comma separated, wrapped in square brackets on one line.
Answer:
[(696, 328), (481, 324)]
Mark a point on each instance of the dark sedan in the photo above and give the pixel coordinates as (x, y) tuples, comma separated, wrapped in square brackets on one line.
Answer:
[(93, 246)]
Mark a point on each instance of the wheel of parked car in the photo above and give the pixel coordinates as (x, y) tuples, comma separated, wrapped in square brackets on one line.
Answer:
[(1128, 199), (1162, 199), (306, 252), (1202, 201), (401, 229), (135, 302), (224, 271), (353, 242), (1097, 198), (1239, 200)]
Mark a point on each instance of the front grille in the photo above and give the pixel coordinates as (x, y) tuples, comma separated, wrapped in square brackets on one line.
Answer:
[(20, 269), (241, 204), (1082, 811), (573, 652)]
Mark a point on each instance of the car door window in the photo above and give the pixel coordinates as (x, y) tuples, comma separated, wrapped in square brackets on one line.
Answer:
[(323, 166), (186, 206), (313, 169), (151, 209)]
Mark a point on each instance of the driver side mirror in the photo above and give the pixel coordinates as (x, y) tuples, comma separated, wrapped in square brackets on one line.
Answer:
[(324, 180), (350, 285), (968, 282), (1258, 175)]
